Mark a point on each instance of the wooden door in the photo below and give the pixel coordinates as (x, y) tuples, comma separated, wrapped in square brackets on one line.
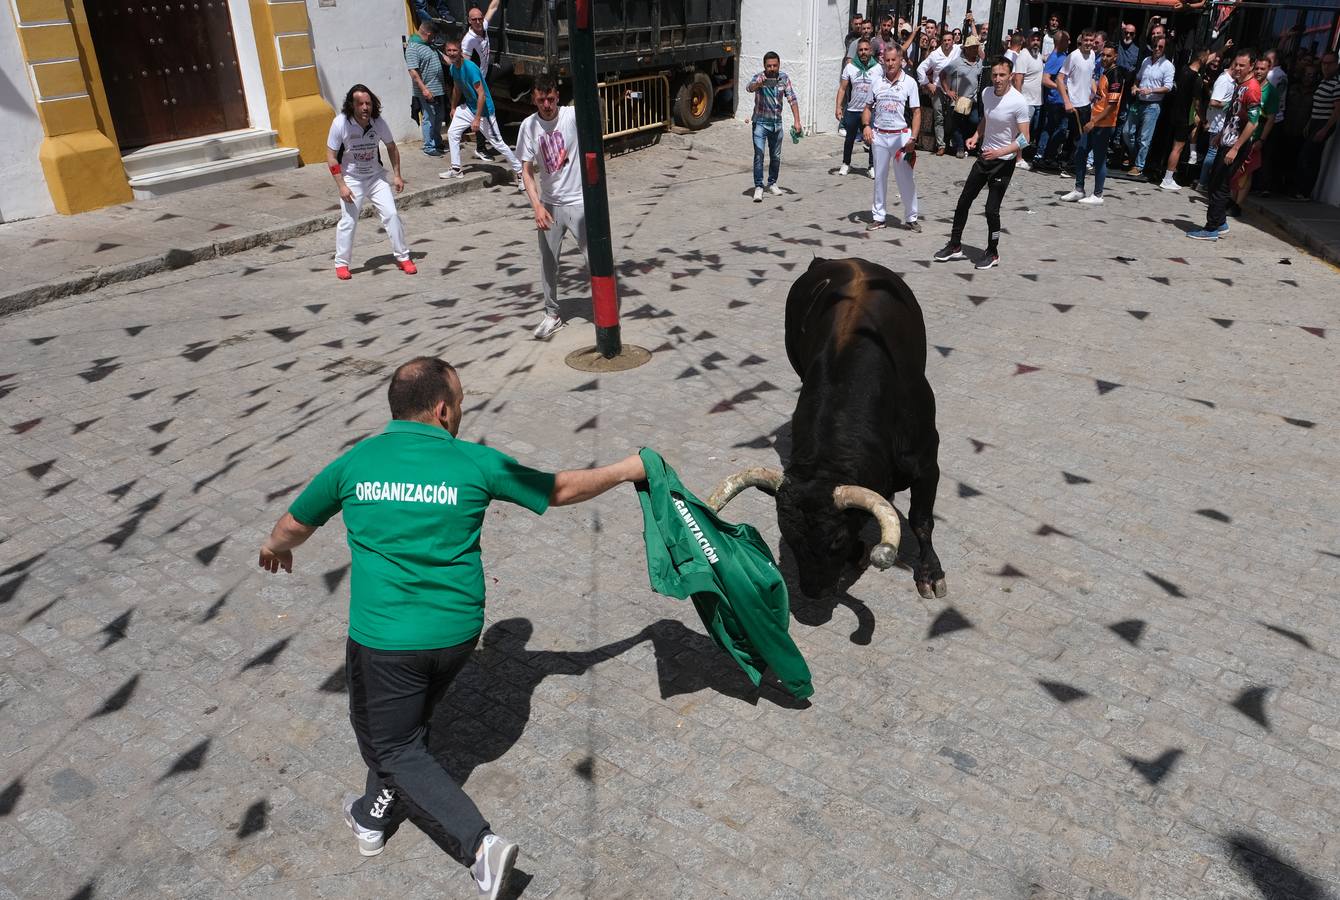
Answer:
[(170, 69)]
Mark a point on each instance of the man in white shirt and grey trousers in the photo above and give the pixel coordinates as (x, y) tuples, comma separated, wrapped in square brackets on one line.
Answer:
[(550, 155), (928, 73), (885, 128)]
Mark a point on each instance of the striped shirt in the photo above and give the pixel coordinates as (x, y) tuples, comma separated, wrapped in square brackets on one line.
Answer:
[(425, 60), (1324, 97)]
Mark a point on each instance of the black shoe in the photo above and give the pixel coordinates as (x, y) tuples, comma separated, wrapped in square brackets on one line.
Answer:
[(989, 260), (1234, 210), (950, 252)]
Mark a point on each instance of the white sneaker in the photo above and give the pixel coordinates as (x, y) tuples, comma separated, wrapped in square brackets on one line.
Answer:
[(1194, 159), (370, 842), (493, 866), (1092, 200), (1072, 197), (548, 325), (844, 169), (453, 172), (758, 195), (1022, 164), (842, 132), (774, 190), (870, 170), (520, 183), (1169, 185)]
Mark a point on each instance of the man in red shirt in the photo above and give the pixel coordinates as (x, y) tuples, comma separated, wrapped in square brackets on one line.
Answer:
[(1234, 142)]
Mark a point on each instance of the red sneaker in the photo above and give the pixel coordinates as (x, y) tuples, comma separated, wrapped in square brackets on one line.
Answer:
[(342, 273), (407, 266)]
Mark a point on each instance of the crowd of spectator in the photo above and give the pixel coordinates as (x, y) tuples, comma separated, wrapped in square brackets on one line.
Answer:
[(1142, 103)]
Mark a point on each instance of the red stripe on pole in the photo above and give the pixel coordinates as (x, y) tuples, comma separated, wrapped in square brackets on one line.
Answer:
[(592, 169), (583, 13), (605, 300)]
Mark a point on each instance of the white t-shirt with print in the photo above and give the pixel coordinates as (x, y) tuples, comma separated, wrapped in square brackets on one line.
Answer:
[(1078, 72), (862, 83), (891, 100), (1004, 115), (1030, 67), (551, 147), (360, 145)]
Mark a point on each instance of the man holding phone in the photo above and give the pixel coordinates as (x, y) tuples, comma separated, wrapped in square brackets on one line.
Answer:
[(769, 88)]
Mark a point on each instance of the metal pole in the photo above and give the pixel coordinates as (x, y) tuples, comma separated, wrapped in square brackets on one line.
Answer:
[(944, 13), (600, 252), (995, 28)]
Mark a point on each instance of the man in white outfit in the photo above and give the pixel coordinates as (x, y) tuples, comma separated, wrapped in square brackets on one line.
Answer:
[(351, 154), (548, 147), (473, 104), (885, 128), (928, 73)]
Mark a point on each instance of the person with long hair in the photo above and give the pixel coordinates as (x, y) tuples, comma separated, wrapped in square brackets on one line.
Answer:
[(356, 165)]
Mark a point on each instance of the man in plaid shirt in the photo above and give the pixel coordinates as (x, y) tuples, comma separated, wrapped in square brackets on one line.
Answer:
[(768, 88)]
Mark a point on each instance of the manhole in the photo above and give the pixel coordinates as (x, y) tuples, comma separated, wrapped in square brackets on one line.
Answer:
[(589, 359)]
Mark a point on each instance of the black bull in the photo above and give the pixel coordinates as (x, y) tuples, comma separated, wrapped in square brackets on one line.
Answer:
[(865, 416)]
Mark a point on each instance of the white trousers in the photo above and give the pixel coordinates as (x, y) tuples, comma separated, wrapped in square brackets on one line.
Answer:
[(883, 149), (567, 217), (488, 127), (376, 188)]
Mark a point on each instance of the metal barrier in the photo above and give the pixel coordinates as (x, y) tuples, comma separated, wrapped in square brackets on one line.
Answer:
[(630, 105)]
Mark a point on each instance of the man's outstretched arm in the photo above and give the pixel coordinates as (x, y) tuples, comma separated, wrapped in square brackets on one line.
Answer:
[(578, 485), (277, 550)]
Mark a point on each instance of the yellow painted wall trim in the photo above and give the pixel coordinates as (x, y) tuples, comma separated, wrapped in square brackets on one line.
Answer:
[(297, 110), (82, 165)]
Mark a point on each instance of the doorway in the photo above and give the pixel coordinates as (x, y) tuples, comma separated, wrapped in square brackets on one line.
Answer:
[(170, 73)]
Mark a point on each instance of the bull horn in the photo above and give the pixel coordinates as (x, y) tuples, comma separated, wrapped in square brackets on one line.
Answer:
[(852, 496), (765, 479)]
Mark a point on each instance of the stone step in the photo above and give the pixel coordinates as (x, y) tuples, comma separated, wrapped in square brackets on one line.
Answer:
[(197, 150), (260, 162)]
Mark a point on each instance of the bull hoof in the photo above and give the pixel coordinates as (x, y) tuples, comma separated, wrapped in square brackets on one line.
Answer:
[(883, 556), (940, 589), (924, 589)]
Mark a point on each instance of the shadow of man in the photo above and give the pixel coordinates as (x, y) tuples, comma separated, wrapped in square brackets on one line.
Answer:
[(489, 704)]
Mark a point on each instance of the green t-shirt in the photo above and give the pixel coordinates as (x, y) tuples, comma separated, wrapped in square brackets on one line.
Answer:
[(413, 499)]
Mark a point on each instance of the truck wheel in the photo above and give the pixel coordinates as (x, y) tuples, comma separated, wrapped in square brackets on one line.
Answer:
[(693, 101)]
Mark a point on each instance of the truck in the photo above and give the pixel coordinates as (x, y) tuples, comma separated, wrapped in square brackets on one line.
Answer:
[(660, 62)]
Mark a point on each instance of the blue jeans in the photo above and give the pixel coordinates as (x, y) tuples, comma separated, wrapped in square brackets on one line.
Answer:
[(1207, 164), (1097, 142), (771, 132), (851, 121), (1140, 129), (965, 125), (431, 122), (1055, 126)]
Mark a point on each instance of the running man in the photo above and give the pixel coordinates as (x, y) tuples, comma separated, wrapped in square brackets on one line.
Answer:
[(884, 127), (351, 154), (473, 103), (1002, 134)]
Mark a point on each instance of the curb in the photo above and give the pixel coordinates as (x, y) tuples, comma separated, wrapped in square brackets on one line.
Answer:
[(1305, 238), (181, 257)]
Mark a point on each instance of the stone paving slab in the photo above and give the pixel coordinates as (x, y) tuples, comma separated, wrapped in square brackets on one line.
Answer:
[(60, 256), (1128, 693)]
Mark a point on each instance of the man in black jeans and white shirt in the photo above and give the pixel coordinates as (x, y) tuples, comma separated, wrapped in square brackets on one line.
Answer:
[(1002, 133)]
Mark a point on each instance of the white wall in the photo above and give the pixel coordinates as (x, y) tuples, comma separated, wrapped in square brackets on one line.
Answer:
[(25, 194), (249, 64), (807, 34), (359, 41)]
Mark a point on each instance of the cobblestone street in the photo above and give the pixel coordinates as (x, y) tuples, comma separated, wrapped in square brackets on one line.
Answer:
[(1130, 690)]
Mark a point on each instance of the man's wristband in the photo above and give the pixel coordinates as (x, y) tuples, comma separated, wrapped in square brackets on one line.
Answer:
[(1021, 141), (335, 169)]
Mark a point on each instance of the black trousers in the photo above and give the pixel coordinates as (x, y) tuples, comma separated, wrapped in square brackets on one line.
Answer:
[(1219, 187), (392, 697), (994, 175)]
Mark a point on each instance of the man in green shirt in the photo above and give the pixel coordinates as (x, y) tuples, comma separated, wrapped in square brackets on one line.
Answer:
[(413, 499)]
